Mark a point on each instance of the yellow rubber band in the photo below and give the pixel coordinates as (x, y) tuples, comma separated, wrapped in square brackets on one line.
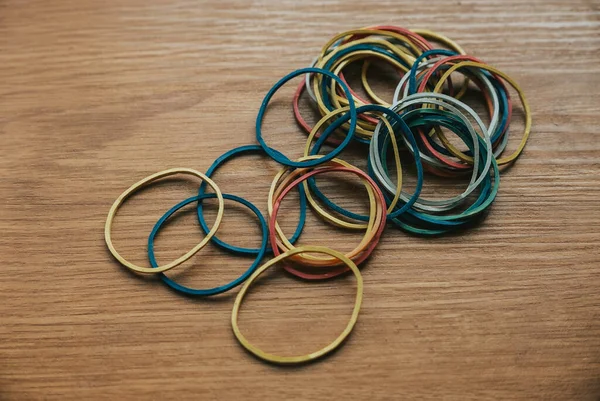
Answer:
[(516, 153), (373, 32), (313, 355), (276, 188), (359, 55), (438, 37), (370, 92), (364, 128), (140, 184), (365, 53)]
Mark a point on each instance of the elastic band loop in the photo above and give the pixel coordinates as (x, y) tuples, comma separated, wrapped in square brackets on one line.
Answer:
[(358, 255), (527, 129), (279, 157), (224, 158), (146, 181), (408, 138), (216, 290), (313, 355)]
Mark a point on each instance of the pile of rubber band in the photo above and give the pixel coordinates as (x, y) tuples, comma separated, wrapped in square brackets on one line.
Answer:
[(426, 101)]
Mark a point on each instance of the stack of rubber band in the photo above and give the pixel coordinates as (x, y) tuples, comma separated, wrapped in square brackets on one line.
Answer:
[(426, 101)]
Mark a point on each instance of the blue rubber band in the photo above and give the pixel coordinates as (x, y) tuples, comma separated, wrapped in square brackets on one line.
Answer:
[(281, 158), (390, 114), (412, 82), (503, 107), (425, 224), (224, 158), (216, 290), (412, 87)]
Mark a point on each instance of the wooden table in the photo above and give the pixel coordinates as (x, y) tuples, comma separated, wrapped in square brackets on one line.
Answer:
[(95, 95)]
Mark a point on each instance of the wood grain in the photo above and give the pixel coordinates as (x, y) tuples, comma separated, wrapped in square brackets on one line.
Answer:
[(95, 95)]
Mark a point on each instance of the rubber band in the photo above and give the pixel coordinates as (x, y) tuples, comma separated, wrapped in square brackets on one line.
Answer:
[(358, 255), (311, 187), (279, 157), (527, 129), (326, 104), (372, 32), (426, 223), (481, 79), (495, 128), (498, 132), (453, 105), (364, 127), (408, 137), (223, 288), (313, 355), (370, 92), (142, 183), (224, 158), (281, 183), (363, 48), (419, 40), (340, 60)]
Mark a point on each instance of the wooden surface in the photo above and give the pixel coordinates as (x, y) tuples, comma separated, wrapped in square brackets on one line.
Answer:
[(95, 95)]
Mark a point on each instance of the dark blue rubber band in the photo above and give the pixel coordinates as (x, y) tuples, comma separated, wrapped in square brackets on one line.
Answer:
[(224, 158), (390, 114), (281, 158), (216, 290), (426, 224), (412, 82), (503, 104)]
